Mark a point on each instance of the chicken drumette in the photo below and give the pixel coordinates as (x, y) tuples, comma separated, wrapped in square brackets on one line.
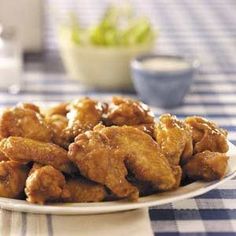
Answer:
[(105, 154), (174, 138), (24, 122), (83, 115), (206, 166), (124, 111), (12, 179), (26, 150), (207, 136), (45, 184)]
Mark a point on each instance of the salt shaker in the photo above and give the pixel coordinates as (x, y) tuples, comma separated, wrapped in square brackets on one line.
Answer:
[(11, 62)]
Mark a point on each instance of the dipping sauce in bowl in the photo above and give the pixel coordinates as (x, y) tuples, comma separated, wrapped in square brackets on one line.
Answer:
[(164, 64), (163, 80)]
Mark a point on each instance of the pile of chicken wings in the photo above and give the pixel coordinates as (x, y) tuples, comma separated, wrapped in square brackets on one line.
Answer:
[(91, 151)]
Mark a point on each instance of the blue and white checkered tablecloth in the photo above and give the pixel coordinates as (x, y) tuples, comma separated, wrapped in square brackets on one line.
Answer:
[(202, 28)]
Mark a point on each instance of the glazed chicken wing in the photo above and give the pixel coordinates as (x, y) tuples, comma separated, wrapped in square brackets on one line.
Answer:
[(3, 157), (59, 109), (207, 136), (143, 156), (30, 106), (24, 123), (25, 150), (146, 128), (58, 123), (83, 115), (97, 161), (83, 190), (12, 179), (178, 173), (125, 111), (174, 138), (206, 166), (45, 184)]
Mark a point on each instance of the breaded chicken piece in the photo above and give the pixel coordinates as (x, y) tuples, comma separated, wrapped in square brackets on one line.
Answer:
[(174, 138), (25, 150), (59, 109), (207, 135), (124, 111), (24, 123), (12, 179), (58, 123), (83, 190), (30, 106), (178, 173), (83, 115), (3, 157), (206, 166), (97, 161), (146, 128), (45, 184), (143, 155)]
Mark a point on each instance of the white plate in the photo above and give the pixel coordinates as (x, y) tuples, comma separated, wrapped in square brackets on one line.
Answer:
[(188, 191)]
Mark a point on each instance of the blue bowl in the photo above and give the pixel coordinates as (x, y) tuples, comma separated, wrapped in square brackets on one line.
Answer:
[(163, 88)]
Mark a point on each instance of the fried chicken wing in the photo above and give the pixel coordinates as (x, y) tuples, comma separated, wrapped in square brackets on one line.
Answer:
[(146, 128), (24, 123), (124, 111), (3, 157), (178, 173), (30, 106), (83, 190), (97, 161), (143, 156), (59, 109), (25, 150), (174, 138), (83, 115), (206, 166), (207, 136), (58, 123), (12, 179), (45, 184)]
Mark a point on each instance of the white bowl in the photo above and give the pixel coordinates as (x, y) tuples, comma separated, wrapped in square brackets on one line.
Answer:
[(100, 67)]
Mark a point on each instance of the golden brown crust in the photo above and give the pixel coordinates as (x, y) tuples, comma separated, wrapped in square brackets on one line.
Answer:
[(59, 109), (24, 123), (128, 157), (45, 184), (178, 173), (174, 138), (207, 166), (207, 135), (30, 106), (12, 179), (124, 111), (83, 115), (58, 123), (3, 156), (146, 128), (26, 150), (98, 162), (143, 156), (83, 190)]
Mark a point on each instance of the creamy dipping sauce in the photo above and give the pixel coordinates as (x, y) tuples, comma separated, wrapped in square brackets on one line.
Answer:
[(164, 64)]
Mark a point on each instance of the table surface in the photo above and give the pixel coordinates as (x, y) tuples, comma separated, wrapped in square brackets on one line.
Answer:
[(206, 29)]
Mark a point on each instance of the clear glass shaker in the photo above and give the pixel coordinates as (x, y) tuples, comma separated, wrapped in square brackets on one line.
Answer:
[(11, 62)]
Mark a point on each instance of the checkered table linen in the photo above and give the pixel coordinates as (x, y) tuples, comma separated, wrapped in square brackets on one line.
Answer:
[(202, 28)]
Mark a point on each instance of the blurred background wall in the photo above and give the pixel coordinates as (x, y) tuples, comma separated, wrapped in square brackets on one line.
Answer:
[(184, 26)]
